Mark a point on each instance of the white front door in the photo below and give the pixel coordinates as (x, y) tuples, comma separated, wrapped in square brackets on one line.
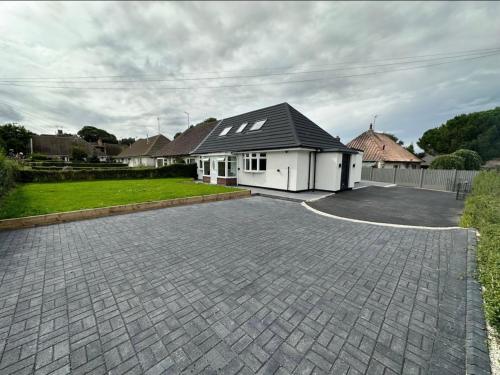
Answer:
[(213, 171)]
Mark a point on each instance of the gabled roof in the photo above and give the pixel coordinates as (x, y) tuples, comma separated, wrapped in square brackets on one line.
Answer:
[(144, 147), (54, 145), (185, 143), (380, 147), (285, 127)]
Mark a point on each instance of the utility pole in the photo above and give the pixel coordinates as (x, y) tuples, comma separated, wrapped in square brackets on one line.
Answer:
[(374, 119), (158, 118), (187, 117)]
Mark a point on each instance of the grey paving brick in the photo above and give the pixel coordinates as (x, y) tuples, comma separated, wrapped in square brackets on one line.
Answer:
[(238, 287)]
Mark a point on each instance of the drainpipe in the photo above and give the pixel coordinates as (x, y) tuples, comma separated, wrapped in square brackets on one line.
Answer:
[(314, 176), (288, 179), (309, 172)]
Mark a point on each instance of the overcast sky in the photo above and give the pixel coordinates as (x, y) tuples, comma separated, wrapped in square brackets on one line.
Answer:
[(159, 51)]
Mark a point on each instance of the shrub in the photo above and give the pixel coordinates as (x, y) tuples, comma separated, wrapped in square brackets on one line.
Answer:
[(472, 160), (447, 162), (61, 164), (8, 169), (482, 211), (174, 170), (37, 156), (78, 153)]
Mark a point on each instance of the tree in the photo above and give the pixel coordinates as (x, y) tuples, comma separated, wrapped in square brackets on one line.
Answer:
[(394, 138), (15, 137), (78, 153), (411, 149), (177, 134), (447, 162), (126, 141), (472, 160), (477, 131), (92, 134)]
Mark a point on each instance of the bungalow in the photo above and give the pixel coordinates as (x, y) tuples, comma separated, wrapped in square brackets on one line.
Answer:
[(180, 149), (106, 151), (278, 148), (60, 147), (141, 152), (380, 151)]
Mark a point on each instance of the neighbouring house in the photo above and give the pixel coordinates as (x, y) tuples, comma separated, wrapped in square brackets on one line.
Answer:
[(427, 160), (180, 149), (380, 151), (279, 148), (107, 151), (141, 152), (59, 147)]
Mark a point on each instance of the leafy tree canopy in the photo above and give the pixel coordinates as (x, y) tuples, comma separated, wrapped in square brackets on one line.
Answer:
[(411, 149), (78, 153), (92, 134), (477, 131), (15, 137), (472, 160), (127, 141), (177, 134), (447, 162)]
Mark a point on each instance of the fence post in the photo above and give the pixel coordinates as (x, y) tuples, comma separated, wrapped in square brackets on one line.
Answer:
[(394, 177), (371, 173), (454, 180), (421, 183)]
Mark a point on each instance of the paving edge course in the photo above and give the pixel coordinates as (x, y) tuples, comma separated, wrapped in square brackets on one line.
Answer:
[(477, 360), (91, 213)]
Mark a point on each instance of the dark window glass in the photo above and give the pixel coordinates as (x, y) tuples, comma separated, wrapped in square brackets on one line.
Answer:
[(221, 169), (247, 164), (254, 164), (263, 164), (206, 168)]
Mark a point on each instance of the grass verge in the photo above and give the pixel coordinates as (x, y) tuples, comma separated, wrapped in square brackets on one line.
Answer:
[(44, 198), (482, 211)]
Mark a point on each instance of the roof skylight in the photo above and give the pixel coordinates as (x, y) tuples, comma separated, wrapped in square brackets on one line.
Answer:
[(225, 131), (258, 124), (242, 127)]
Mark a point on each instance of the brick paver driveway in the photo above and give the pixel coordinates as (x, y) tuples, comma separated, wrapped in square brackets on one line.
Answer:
[(249, 286)]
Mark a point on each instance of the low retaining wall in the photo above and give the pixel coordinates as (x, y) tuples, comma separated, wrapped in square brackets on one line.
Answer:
[(91, 213)]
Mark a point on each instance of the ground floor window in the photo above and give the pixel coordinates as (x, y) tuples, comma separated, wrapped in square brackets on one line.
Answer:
[(160, 163), (255, 162), (190, 161), (206, 167), (231, 166)]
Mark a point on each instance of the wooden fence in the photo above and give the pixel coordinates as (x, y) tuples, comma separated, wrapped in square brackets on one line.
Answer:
[(436, 179)]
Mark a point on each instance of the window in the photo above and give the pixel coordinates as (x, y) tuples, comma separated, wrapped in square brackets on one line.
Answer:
[(225, 131), (231, 166), (255, 162), (258, 124), (242, 127), (206, 167), (200, 164), (221, 168), (160, 163), (190, 161)]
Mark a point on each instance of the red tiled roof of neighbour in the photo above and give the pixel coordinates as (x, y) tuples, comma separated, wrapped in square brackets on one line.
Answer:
[(145, 147), (380, 147), (185, 143)]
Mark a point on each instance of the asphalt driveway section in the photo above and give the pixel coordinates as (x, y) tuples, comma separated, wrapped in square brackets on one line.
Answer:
[(395, 205), (248, 286)]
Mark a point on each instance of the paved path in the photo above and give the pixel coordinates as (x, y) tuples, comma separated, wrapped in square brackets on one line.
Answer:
[(395, 205), (250, 286)]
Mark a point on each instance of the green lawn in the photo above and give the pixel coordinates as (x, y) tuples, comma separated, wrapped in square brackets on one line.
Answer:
[(44, 198)]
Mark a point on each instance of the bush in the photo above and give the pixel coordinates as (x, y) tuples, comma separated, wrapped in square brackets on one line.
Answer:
[(8, 169), (61, 164), (78, 153), (472, 160), (37, 156), (482, 211), (174, 170), (447, 162)]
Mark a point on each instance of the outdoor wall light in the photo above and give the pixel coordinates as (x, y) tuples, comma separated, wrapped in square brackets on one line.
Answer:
[(340, 165), (354, 165), (277, 170)]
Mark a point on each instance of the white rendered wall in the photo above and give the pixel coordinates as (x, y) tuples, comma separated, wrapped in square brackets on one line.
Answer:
[(328, 171)]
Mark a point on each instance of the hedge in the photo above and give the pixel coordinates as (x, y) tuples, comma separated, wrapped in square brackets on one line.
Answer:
[(174, 170), (54, 168), (62, 164), (8, 171), (447, 162), (472, 160), (482, 211)]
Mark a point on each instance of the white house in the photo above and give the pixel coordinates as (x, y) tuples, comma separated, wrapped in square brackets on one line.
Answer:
[(277, 148), (142, 152)]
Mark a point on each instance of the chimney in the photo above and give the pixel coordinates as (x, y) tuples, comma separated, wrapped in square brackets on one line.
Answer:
[(59, 132), (371, 126)]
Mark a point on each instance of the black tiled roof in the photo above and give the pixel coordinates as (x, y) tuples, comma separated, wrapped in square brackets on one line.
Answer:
[(285, 127)]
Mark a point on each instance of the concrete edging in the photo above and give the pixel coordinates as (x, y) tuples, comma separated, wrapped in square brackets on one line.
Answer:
[(477, 359), (92, 213)]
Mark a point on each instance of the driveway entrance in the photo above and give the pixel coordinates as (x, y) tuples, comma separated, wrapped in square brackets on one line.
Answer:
[(394, 205)]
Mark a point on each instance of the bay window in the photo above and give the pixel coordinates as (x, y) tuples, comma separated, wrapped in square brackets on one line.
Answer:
[(255, 162)]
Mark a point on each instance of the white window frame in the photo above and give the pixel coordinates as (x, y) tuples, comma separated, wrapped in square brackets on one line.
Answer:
[(242, 127), (225, 131), (258, 156), (257, 125), (158, 162), (203, 161)]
